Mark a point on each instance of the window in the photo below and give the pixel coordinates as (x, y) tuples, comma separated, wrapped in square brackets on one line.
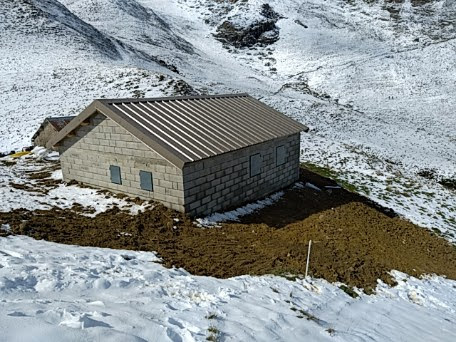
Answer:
[(255, 164), (281, 155), (115, 174), (146, 180)]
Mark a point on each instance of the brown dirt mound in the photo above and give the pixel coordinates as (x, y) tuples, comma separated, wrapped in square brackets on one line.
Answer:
[(354, 241)]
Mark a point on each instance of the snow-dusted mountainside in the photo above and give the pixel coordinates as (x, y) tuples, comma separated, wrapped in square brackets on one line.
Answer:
[(375, 80)]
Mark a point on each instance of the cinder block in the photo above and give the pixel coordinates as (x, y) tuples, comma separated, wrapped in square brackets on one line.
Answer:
[(178, 207), (132, 145), (194, 205), (209, 191), (121, 143), (212, 204), (229, 183), (174, 193), (237, 167), (165, 184)]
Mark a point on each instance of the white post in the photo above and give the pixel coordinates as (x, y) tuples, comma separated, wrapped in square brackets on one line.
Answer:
[(308, 257)]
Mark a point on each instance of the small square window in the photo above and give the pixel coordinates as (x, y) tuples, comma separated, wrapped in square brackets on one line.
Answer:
[(281, 155), (255, 164), (115, 174), (146, 180)]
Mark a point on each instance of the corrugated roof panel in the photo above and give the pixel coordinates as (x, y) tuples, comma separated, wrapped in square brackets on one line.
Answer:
[(194, 124), (159, 118), (183, 126), (252, 119), (242, 126), (222, 129), (59, 122), (156, 132)]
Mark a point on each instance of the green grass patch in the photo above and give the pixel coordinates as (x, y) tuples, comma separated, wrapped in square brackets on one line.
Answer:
[(211, 315), (336, 176), (349, 291), (214, 334)]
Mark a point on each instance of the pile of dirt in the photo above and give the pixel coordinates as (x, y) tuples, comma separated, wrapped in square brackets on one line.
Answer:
[(355, 241)]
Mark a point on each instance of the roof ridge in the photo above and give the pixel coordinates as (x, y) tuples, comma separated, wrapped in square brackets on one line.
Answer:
[(171, 98), (60, 117)]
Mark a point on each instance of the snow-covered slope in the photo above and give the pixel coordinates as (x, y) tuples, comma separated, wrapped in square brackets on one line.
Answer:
[(129, 22), (51, 292)]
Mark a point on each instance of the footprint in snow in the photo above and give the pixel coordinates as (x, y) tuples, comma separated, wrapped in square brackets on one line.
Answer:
[(82, 321), (8, 253), (184, 325)]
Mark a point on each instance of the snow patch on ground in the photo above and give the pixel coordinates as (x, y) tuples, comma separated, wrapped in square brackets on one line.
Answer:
[(234, 215), (63, 196)]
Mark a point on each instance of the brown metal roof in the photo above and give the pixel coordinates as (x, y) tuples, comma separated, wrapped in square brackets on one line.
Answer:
[(190, 128), (59, 122)]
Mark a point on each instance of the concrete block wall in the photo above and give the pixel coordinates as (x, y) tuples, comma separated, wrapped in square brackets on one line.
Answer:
[(43, 137), (86, 158), (224, 181)]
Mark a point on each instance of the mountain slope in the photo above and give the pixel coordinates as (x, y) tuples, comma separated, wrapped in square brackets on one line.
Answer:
[(373, 79), (129, 22), (32, 22)]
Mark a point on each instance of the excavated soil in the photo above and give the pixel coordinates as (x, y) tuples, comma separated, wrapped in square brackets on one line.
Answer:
[(355, 241)]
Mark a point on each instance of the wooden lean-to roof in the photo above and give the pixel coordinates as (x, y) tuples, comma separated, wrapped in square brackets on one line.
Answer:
[(184, 129)]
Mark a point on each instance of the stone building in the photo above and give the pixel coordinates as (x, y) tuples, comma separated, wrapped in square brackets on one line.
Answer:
[(195, 154), (49, 128)]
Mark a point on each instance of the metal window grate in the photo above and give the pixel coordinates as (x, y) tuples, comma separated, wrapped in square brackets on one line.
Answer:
[(281, 155), (115, 174), (255, 164), (146, 180)]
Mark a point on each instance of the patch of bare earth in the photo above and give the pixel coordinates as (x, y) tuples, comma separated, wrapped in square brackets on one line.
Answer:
[(354, 241)]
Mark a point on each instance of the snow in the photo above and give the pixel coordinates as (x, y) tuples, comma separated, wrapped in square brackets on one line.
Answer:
[(214, 219), (63, 293), (42, 153), (312, 186)]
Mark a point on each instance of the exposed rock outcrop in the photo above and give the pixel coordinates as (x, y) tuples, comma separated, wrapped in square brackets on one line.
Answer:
[(262, 31)]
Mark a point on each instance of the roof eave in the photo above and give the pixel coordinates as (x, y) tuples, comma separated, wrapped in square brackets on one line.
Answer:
[(142, 136), (72, 125), (303, 128), (98, 106)]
